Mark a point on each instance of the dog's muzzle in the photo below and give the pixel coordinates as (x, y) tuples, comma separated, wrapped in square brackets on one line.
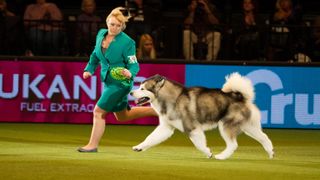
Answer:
[(142, 101)]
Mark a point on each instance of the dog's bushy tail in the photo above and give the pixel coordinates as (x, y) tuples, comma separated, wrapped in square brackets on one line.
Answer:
[(237, 83)]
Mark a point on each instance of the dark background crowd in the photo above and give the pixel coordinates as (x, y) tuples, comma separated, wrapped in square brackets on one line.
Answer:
[(257, 30)]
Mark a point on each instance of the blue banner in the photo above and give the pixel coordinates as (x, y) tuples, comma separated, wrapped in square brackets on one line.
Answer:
[(288, 97)]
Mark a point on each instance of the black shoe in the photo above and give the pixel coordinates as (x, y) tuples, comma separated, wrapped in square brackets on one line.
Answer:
[(87, 150)]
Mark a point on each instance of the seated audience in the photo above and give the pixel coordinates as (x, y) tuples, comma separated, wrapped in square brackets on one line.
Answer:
[(4, 12), (145, 17), (43, 24), (313, 47), (286, 38), (201, 36), (87, 28), (10, 31), (146, 48), (248, 43)]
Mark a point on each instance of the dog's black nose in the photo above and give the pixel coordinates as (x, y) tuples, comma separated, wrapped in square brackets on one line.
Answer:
[(131, 93)]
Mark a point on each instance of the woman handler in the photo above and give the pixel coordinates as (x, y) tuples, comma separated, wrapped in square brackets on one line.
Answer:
[(115, 52)]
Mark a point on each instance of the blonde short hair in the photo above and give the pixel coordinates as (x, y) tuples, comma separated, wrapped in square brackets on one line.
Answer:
[(116, 12)]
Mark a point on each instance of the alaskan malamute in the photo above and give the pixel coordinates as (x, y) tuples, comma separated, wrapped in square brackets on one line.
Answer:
[(197, 109)]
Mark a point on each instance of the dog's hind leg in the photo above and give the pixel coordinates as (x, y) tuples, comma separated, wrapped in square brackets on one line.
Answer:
[(198, 138), (230, 137), (160, 134), (257, 134)]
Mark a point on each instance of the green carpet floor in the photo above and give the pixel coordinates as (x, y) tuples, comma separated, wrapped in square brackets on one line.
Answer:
[(48, 151)]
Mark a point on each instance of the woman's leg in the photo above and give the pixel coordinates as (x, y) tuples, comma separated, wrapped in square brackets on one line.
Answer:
[(134, 113), (214, 42), (189, 38), (98, 127)]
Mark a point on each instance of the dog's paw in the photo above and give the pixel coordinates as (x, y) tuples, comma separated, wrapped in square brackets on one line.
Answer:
[(209, 156), (220, 157), (137, 148), (271, 155)]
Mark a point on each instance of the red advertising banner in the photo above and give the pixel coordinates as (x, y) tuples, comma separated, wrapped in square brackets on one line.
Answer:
[(54, 92)]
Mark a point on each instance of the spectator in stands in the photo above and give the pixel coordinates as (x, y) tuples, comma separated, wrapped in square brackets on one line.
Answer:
[(313, 47), (10, 31), (201, 36), (247, 32), (285, 35), (145, 16), (4, 11), (43, 24), (146, 48), (87, 28)]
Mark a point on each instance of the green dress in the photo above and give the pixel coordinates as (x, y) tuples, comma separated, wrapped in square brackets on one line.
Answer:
[(121, 53)]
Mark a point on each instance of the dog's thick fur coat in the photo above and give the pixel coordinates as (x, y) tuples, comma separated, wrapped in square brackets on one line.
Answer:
[(197, 109)]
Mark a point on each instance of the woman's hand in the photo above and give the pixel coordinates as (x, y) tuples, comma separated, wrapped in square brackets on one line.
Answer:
[(126, 73), (86, 75)]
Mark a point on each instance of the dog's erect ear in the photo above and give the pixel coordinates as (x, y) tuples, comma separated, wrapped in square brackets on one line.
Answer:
[(159, 79)]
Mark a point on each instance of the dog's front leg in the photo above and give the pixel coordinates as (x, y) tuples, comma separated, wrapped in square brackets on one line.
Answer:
[(198, 138), (160, 134)]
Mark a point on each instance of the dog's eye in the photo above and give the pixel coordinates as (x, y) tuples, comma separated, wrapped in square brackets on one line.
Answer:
[(142, 88)]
